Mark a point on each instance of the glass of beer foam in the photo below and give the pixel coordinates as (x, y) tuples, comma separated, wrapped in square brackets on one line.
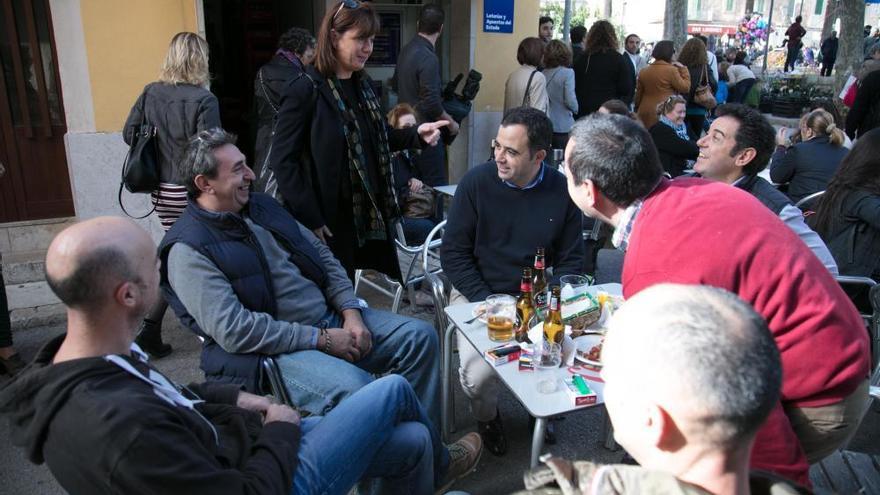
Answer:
[(501, 315)]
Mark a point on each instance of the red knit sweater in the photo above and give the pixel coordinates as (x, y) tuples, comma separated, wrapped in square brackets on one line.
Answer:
[(692, 231)]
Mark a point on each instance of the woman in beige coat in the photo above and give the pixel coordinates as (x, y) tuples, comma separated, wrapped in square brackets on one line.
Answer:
[(658, 81)]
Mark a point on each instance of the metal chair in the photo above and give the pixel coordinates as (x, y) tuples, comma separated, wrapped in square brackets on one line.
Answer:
[(414, 262), (272, 378), (807, 202), (864, 292)]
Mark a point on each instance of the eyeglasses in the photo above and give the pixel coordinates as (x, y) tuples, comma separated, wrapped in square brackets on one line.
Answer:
[(350, 4), (510, 152)]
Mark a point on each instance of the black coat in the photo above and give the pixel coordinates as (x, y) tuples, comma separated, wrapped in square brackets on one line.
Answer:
[(865, 112), (178, 111), (269, 83), (674, 151), (807, 166), (600, 77), (311, 164), (855, 239), (829, 49)]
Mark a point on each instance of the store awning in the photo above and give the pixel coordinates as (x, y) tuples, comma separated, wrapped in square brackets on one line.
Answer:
[(716, 29)]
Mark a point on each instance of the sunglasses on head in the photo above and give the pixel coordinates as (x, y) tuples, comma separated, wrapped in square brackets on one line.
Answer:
[(350, 4)]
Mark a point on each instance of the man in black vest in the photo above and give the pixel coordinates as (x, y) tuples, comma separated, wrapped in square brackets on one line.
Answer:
[(736, 149), (242, 273)]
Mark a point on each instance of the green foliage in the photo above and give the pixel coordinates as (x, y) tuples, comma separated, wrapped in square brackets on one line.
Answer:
[(580, 15)]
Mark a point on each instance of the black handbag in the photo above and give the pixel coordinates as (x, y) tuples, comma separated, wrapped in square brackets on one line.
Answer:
[(140, 170)]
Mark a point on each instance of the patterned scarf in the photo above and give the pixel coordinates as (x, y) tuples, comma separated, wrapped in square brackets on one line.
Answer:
[(371, 209), (680, 129)]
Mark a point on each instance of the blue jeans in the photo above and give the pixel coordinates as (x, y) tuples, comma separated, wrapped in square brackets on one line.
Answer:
[(379, 432), (318, 382)]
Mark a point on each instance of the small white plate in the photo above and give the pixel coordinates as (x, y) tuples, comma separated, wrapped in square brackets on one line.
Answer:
[(480, 309), (586, 342)]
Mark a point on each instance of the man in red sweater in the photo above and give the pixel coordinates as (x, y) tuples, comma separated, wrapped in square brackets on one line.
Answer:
[(692, 231)]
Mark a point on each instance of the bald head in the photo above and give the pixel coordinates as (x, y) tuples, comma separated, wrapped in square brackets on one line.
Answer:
[(87, 262), (699, 353)]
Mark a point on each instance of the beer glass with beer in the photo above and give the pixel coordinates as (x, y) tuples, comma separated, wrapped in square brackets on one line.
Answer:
[(500, 313)]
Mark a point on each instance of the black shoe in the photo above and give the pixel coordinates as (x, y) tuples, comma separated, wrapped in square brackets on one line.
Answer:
[(550, 433), (11, 365), (492, 433), (150, 340)]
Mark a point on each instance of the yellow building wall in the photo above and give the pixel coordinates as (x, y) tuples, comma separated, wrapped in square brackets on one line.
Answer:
[(495, 53), (126, 41)]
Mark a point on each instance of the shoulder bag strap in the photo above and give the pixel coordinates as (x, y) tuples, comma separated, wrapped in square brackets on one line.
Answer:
[(527, 98), (143, 108), (266, 94)]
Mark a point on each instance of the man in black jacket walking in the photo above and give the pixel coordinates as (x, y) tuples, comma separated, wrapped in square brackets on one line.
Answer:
[(417, 78), (829, 53), (92, 391)]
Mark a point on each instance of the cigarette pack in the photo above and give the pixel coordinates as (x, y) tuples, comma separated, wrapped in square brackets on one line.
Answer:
[(503, 354), (581, 396), (527, 359)]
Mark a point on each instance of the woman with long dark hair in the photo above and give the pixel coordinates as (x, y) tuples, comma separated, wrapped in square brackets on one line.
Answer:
[(331, 153), (693, 56), (848, 214), (179, 104), (602, 73)]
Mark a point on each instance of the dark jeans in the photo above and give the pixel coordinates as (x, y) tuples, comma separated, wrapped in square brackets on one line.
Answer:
[(827, 66), (416, 230), (5, 323), (741, 90), (695, 126), (792, 56)]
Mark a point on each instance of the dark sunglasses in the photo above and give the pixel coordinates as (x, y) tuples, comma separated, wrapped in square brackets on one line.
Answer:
[(349, 4)]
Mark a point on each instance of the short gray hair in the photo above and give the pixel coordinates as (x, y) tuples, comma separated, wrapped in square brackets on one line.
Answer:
[(720, 352), (199, 159), (617, 154)]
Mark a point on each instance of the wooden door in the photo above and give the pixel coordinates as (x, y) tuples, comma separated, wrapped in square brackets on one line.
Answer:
[(35, 184)]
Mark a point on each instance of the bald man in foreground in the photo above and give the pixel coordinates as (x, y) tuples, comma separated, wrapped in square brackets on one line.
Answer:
[(691, 373), (105, 421)]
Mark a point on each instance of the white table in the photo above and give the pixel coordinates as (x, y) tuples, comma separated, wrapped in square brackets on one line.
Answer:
[(447, 190), (523, 384)]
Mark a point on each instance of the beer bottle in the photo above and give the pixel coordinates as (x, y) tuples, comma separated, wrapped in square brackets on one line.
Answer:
[(525, 310), (553, 327), (539, 282)]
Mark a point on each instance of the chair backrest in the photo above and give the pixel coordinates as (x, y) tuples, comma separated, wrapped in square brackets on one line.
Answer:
[(808, 202), (864, 292), (609, 266), (415, 261), (431, 247)]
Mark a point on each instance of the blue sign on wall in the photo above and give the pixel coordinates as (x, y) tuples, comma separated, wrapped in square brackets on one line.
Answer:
[(498, 16)]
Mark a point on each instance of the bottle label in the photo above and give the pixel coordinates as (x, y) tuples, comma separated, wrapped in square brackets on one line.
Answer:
[(539, 264), (554, 302), (525, 286), (541, 299)]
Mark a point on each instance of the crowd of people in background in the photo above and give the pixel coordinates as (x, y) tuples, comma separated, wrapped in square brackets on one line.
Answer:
[(260, 256)]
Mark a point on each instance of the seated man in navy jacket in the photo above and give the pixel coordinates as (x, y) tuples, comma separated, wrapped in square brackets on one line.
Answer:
[(241, 272), (503, 210)]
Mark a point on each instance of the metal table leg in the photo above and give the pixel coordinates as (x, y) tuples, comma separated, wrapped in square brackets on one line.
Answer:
[(446, 373), (538, 440)]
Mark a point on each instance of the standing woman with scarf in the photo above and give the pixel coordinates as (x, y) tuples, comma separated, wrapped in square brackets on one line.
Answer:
[(332, 149)]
